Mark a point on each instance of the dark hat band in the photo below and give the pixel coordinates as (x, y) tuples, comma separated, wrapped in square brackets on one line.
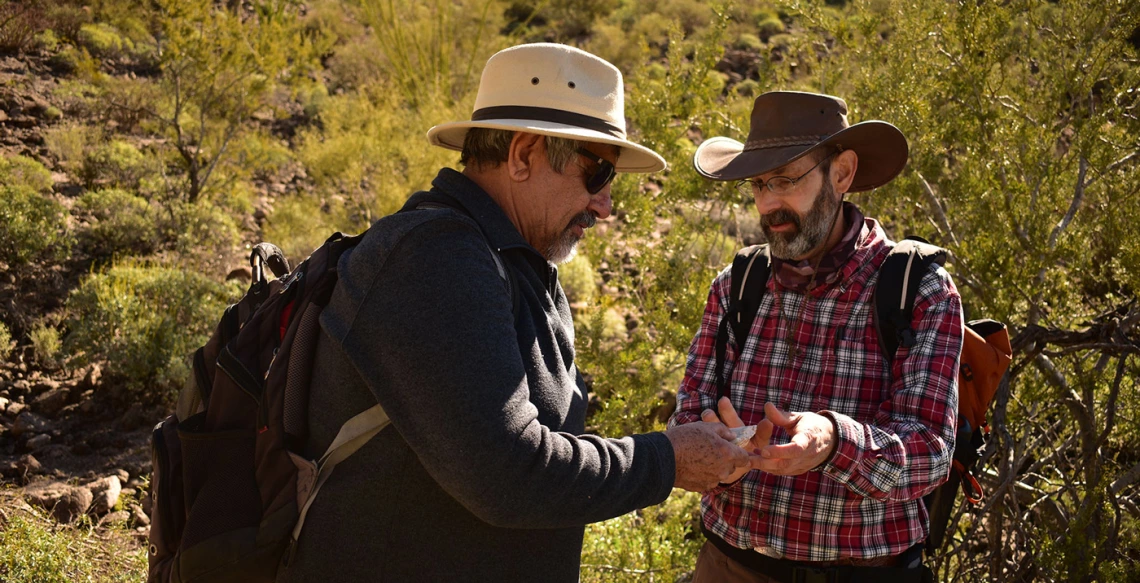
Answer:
[(764, 143), (548, 114)]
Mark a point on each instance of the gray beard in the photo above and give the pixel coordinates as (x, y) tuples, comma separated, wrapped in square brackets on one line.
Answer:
[(565, 246), (810, 231)]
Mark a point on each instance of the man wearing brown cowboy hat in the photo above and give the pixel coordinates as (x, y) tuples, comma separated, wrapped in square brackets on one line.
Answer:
[(847, 443), (450, 315)]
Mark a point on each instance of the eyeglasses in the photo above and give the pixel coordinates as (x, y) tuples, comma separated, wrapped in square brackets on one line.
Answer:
[(776, 184), (603, 174)]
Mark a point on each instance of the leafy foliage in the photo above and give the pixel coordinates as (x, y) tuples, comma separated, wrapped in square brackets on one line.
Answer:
[(144, 321), (33, 549), (32, 224)]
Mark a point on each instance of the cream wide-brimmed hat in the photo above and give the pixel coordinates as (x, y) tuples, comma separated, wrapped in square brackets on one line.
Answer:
[(787, 125), (552, 90)]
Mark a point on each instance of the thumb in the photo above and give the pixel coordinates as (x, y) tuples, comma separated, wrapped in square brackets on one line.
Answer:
[(778, 417), (728, 413)]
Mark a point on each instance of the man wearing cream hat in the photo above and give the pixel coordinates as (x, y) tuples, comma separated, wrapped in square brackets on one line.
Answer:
[(450, 315), (849, 439)]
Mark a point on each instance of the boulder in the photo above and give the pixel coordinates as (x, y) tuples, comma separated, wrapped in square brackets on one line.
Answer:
[(64, 502), (38, 442), (15, 408), (51, 401), (28, 422), (105, 494)]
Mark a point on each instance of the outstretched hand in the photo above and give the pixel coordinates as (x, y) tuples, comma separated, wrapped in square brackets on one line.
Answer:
[(726, 414), (705, 455), (812, 439)]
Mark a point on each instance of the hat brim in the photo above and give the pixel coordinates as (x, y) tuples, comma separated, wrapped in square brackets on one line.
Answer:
[(881, 147), (633, 157)]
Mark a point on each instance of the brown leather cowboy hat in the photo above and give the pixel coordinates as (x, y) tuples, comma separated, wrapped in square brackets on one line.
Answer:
[(787, 125)]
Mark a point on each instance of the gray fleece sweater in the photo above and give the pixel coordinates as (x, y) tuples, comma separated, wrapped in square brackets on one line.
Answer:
[(484, 474)]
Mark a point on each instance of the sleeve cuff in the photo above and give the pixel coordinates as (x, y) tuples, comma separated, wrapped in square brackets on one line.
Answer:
[(849, 434), (658, 446)]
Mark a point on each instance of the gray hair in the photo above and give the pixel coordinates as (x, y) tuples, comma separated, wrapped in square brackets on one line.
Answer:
[(491, 147)]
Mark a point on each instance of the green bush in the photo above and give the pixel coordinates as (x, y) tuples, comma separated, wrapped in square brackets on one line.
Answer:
[(748, 42), (5, 342), (45, 344), (70, 142), (659, 543), (203, 236), (118, 223), (32, 225), (578, 280), (144, 321), (102, 40), (116, 163), (34, 549)]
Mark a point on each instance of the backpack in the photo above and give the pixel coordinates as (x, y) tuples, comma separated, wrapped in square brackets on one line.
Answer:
[(230, 488), (986, 354)]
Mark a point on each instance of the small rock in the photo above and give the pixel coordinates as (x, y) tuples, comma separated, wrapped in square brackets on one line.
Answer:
[(15, 408), (140, 517), (91, 378), (50, 402), (65, 503), (117, 518), (146, 502), (105, 494), (4, 404), (28, 422), (43, 385), (122, 474), (38, 442), (3, 116)]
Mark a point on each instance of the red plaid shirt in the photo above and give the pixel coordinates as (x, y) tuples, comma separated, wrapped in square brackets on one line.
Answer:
[(895, 427)]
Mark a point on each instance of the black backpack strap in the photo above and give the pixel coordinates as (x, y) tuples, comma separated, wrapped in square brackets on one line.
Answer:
[(899, 279), (749, 280)]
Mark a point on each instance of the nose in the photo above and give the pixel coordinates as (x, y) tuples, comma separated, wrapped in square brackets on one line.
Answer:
[(600, 203)]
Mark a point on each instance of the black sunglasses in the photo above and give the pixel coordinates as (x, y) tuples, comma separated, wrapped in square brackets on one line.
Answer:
[(603, 174)]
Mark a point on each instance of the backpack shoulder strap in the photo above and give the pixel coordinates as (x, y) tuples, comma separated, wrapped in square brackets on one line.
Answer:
[(749, 280), (895, 293)]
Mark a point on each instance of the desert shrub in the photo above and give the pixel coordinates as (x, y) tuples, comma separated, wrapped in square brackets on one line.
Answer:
[(32, 225), (660, 541), (20, 22), (300, 223), (768, 24), (748, 41), (203, 236), (5, 342), (577, 277), (45, 343), (35, 549), (70, 142), (116, 163), (118, 223), (144, 321), (102, 40)]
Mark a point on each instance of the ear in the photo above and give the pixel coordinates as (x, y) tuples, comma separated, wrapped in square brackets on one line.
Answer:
[(843, 169), (524, 151)]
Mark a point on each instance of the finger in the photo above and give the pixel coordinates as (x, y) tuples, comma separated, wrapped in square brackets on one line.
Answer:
[(739, 457), (763, 435), (778, 417), (778, 467), (709, 417), (722, 431), (786, 451), (728, 413)]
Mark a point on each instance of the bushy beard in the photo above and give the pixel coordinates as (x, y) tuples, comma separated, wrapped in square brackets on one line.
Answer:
[(564, 247), (810, 231)]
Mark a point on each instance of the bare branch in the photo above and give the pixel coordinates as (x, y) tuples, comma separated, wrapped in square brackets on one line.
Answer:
[(936, 205), (1078, 198)]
